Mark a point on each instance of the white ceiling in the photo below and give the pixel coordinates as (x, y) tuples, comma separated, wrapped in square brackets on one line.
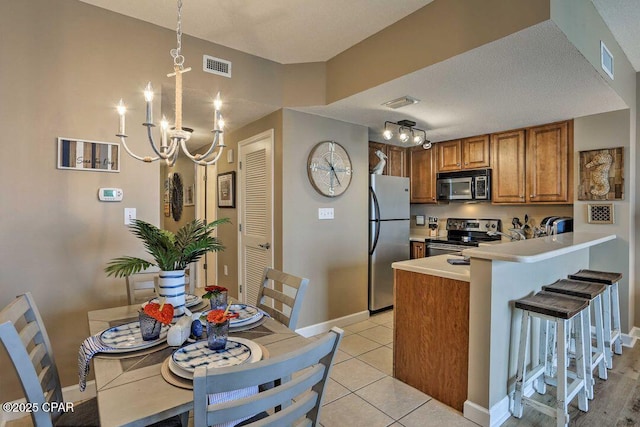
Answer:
[(531, 77)]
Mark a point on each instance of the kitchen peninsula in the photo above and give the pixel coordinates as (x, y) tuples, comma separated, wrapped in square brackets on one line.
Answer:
[(456, 330)]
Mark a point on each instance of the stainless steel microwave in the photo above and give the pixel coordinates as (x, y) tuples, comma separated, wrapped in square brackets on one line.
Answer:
[(464, 185)]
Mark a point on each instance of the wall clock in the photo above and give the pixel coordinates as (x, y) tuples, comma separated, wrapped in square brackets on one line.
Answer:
[(329, 168)]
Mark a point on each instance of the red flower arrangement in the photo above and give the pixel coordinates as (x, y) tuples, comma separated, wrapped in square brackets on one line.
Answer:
[(220, 316), (213, 291), (161, 312)]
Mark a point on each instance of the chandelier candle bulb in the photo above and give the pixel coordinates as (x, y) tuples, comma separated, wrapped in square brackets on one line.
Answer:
[(148, 96), (121, 111)]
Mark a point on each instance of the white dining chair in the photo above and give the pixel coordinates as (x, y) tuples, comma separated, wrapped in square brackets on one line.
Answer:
[(141, 286), (25, 339), (299, 398), (30, 351), (281, 296)]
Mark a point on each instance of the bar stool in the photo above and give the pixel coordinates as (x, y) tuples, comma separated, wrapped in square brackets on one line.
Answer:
[(611, 308), (591, 292), (561, 310)]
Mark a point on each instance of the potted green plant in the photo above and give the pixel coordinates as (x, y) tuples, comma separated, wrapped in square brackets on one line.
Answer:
[(171, 253)]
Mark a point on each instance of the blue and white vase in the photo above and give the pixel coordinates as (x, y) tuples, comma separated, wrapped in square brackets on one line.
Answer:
[(171, 285)]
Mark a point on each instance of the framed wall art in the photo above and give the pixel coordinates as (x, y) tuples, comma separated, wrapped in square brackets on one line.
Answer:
[(227, 190), (188, 195), (88, 155), (601, 174)]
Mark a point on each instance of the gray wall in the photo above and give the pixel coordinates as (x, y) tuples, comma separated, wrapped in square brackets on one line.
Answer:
[(331, 253)]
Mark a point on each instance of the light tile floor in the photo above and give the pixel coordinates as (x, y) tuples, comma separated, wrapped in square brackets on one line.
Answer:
[(362, 392)]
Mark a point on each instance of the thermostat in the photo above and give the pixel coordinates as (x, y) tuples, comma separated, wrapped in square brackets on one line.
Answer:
[(110, 194)]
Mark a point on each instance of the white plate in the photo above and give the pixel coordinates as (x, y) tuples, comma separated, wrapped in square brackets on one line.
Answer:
[(200, 350), (127, 337), (189, 299), (247, 314)]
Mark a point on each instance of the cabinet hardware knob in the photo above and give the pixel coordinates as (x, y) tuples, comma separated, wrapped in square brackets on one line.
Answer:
[(457, 164)]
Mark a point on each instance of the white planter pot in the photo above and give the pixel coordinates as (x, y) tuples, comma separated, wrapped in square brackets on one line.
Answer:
[(171, 285)]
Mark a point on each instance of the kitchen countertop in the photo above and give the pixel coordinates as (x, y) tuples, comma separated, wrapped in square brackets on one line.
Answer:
[(435, 266), (540, 249)]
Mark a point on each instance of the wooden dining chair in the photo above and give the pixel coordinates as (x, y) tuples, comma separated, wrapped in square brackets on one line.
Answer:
[(280, 304), (300, 398), (25, 339)]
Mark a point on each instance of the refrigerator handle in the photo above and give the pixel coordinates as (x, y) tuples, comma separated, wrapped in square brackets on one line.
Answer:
[(375, 221)]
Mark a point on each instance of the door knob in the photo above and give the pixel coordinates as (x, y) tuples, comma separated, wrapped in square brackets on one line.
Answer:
[(265, 246)]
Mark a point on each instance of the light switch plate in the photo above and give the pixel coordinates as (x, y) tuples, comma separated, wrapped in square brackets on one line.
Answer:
[(129, 215), (325, 213)]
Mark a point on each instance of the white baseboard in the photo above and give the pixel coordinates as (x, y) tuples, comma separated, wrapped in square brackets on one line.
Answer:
[(630, 339), (493, 417), (320, 328), (71, 393)]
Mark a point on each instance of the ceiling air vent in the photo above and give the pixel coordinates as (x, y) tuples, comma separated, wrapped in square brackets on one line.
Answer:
[(217, 66), (606, 60)]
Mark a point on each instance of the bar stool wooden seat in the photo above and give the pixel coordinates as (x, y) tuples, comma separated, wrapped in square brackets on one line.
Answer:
[(592, 292), (560, 310), (611, 308)]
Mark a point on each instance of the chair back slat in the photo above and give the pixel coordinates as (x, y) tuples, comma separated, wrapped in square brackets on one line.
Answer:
[(25, 338), (282, 306), (301, 395)]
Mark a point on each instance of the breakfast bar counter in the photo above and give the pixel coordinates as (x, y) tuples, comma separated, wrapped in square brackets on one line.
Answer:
[(456, 329)]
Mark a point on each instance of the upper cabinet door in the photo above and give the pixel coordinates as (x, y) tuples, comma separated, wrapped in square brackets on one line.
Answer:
[(508, 175), (422, 173), (449, 155), (549, 163), (475, 152), (397, 161)]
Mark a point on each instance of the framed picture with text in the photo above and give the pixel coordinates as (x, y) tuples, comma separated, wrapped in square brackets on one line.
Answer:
[(227, 190)]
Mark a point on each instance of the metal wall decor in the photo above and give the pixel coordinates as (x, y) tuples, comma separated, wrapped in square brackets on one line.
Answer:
[(176, 197)]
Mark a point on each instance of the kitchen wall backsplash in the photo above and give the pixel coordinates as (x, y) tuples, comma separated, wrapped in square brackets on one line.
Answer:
[(484, 210)]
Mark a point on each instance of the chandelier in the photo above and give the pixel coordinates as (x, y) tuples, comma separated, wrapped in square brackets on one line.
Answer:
[(175, 138), (406, 132)]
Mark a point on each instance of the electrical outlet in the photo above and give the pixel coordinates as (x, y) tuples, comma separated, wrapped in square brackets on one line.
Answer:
[(325, 213), (129, 215), (226, 270)]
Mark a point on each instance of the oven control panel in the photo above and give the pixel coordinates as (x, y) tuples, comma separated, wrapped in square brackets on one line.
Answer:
[(464, 224)]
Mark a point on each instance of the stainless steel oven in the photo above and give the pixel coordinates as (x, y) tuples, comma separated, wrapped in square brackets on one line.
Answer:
[(463, 233), (444, 248)]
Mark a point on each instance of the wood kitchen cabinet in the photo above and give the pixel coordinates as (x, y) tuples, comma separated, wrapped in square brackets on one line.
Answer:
[(396, 158), (508, 174), (431, 335), (467, 153), (422, 173), (417, 250), (549, 163), (533, 165)]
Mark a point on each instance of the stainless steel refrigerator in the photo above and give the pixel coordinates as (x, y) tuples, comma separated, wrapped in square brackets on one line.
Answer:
[(388, 235)]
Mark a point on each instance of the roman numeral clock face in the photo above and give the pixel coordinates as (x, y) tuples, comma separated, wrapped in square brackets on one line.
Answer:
[(329, 168)]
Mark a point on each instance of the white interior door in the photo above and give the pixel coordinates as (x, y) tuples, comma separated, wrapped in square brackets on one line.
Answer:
[(205, 201), (255, 213)]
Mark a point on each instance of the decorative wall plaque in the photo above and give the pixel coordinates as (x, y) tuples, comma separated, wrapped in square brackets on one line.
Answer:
[(601, 174)]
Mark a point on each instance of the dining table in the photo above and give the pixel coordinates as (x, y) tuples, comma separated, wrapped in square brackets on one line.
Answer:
[(131, 388)]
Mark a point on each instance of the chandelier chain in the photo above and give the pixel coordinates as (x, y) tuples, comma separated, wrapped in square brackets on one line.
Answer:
[(178, 59)]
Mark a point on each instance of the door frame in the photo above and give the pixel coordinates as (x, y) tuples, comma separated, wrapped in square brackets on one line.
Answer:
[(268, 134), (205, 209)]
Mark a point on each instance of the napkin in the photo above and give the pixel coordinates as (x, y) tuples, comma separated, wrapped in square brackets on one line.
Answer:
[(88, 349), (216, 398)]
